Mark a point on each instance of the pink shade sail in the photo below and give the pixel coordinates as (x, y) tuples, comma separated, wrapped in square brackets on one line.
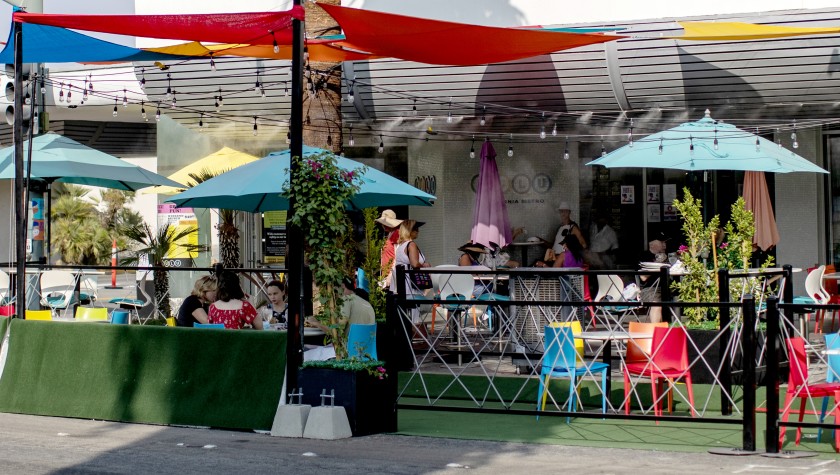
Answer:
[(261, 28), (490, 216), (757, 199)]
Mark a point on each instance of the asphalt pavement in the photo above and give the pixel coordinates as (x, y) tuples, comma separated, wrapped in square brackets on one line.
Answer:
[(41, 445)]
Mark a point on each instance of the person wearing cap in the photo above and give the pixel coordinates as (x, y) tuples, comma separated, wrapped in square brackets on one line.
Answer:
[(566, 226), (390, 225)]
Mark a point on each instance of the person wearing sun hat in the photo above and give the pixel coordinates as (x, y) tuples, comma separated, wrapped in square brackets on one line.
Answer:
[(390, 225), (472, 253)]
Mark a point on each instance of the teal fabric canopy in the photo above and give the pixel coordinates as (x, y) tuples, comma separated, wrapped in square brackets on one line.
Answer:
[(257, 186), (58, 158)]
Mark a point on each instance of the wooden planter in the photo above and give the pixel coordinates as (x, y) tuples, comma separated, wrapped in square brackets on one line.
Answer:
[(370, 402)]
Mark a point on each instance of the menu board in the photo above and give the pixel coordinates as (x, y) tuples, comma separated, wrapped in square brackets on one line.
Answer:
[(274, 237)]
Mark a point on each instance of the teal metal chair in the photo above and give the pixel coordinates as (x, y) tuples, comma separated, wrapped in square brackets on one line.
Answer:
[(560, 360), (361, 341), (209, 325), (832, 344)]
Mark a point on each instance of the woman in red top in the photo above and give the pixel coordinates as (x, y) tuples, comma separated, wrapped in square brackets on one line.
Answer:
[(230, 308)]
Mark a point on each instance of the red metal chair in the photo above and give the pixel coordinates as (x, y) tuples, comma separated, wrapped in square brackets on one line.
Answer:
[(829, 287), (799, 387), (669, 362)]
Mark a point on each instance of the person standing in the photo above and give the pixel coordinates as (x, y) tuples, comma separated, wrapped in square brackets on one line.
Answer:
[(390, 224)]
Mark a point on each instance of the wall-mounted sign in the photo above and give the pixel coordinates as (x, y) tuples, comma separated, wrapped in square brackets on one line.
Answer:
[(426, 183), (274, 237), (179, 219)]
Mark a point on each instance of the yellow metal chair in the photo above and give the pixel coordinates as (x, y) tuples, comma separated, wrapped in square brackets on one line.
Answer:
[(576, 329), (39, 315), (90, 314)]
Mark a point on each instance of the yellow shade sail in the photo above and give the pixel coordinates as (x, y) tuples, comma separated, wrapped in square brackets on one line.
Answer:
[(216, 163), (735, 31)]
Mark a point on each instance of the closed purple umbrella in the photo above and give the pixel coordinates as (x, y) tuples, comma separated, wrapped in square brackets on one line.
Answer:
[(490, 216)]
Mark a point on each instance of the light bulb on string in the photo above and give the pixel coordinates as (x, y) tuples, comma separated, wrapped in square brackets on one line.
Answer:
[(221, 99), (510, 146), (157, 113), (414, 108), (174, 100), (630, 134), (778, 138), (351, 98), (449, 112), (483, 116), (69, 93), (566, 150), (168, 86), (125, 98), (262, 92), (542, 127), (84, 92), (143, 79), (90, 82), (795, 143), (715, 142), (352, 141), (554, 130), (757, 142), (285, 89), (143, 111), (276, 47), (212, 63), (43, 88), (472, 148), (255, 126), (201, 122), (257, 85), (381, 144), (115, 107), (216, 103), (691, 145), (61, 93), (603, 149), (661, 146)]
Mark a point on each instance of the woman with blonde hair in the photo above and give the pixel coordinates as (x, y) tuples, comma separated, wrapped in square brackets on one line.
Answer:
[(407, 254), (194, 308)]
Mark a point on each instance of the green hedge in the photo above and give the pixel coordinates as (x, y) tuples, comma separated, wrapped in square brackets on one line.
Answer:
[(132, 373)]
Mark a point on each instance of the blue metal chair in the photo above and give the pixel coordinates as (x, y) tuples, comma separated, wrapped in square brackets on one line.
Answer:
[(832, 344), (209, 325), (560, 360), (361, 341)]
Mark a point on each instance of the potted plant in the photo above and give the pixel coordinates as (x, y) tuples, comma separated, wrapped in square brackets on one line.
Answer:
[(360, 385)]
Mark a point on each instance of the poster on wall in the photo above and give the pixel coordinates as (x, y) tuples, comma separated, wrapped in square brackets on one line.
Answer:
[(669, 193), (669, 213), (274, 237), (628, 196), (38, 219), (653, 211), (180, 219), (653, 193)]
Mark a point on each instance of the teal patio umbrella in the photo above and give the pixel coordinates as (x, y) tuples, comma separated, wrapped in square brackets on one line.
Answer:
[(257, 186), (707, 144), (58, 158)]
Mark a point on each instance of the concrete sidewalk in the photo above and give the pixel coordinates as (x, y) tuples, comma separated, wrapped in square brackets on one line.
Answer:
[(34, 445)]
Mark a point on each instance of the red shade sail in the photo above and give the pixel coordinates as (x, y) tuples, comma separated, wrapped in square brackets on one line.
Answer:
[(442, 42), (263, 28)]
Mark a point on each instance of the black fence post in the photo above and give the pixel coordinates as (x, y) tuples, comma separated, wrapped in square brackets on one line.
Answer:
[(665, 292), (787, 296), (401, 326), (771, 380), (725, 336), (748, 343)]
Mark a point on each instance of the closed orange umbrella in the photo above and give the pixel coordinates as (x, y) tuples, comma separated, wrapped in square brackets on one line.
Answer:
[(757, 200)]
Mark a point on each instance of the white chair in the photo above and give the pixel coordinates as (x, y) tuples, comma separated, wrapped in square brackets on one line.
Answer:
[(57, 289), (816, 295), (610, 289), (88, 289), (5, 283)]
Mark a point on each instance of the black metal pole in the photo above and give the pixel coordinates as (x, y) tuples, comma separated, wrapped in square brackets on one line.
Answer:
[(20, 202), (787, 297), (771, 380), (665, 292), (748, 343), (725, 336), (295, 264)]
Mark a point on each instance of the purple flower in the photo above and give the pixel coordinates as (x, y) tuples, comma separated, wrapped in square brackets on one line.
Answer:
[(683, 249), (724, 245)]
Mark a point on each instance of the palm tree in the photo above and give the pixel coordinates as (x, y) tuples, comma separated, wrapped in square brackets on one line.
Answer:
[(159, 246), (228, 232)]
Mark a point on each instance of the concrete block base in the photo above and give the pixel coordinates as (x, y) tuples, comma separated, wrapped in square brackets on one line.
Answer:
[(290, 420), (328, 423)]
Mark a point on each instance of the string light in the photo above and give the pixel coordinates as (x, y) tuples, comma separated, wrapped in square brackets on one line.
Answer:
[(43, 88), (542, 127), (262, 92), (381, 144), (90, 82), (125, 98), (288, 138), (285, 89), (61, 93), (351, 98), (554, 130), (168, 86), (793, 136), (143, 110), (84, 92), (216, 103), (757, 143), (115, 107), (143, 79), (715, 143), (566, 150), (221, 98), (510, 146), (255, 126), (212, 63), (630, 134), (201, 122), (603, 149), (69, 93), (157, 113), (274, 42), (257, 85), (472, 148), (483, 116), (352, 141), (449, 113), (660, 146), (174, 99), (691, 145), (414, 107)]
